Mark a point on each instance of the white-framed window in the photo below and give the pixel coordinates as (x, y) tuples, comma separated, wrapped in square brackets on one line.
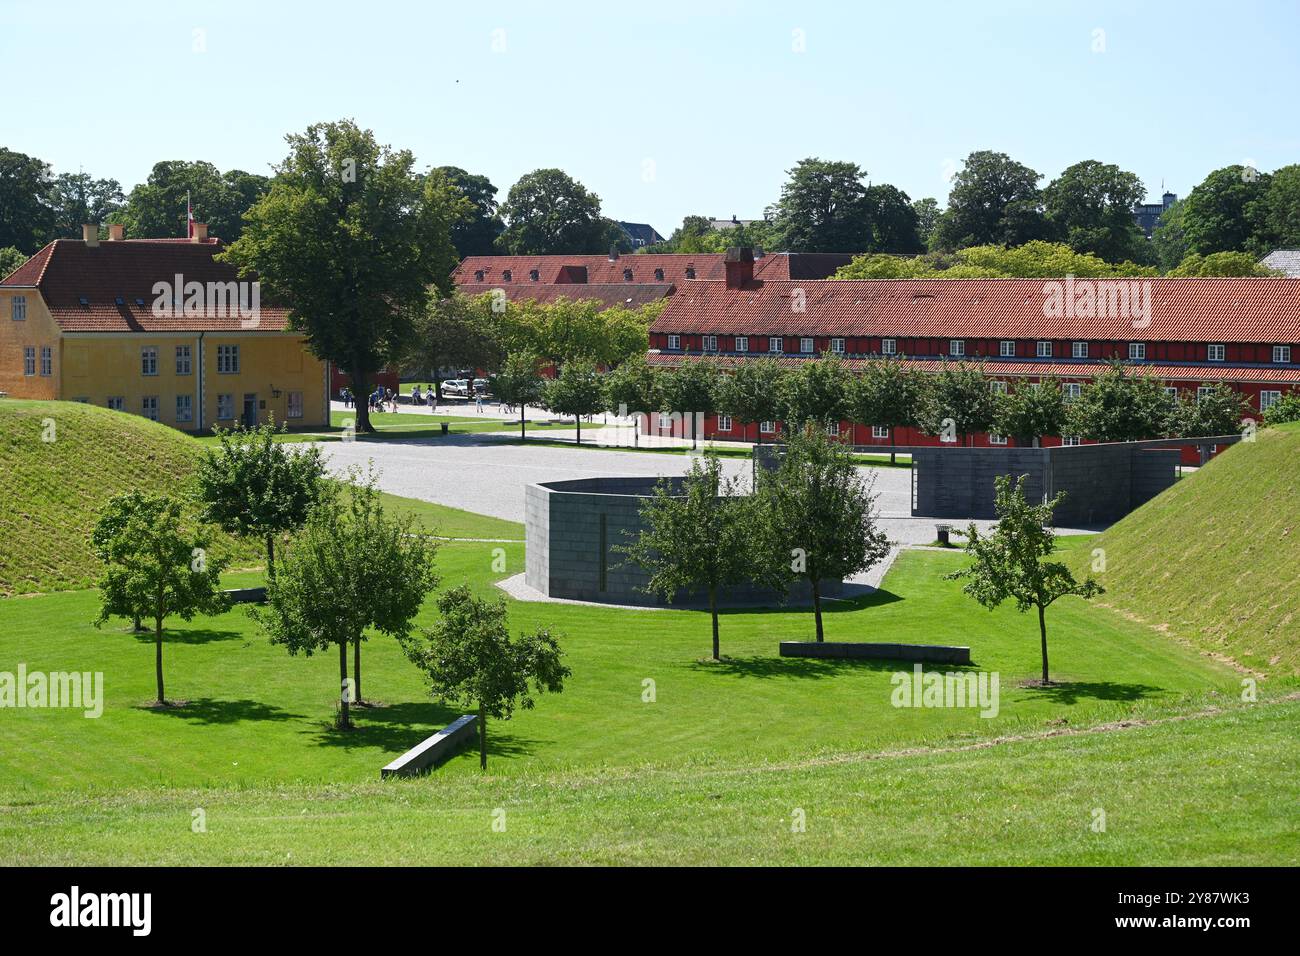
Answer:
[(1268, 398), (997, 386), (1072, 390), (888, 346), (294, 409), (116, 403), (1044, 349), (833, 429), (710, 343), (47, 361), (806, 345), (184, 408), (742, 343), (1071, 440), (149, 407), (837, 346), (665, 421), (1216, 353), (879, 431), (29, 360), (1078, 349), (18, 308), (225, 406), (1282, 354), (227, 359), (997, 439), (767, 428), (724, 423), (149, 360), (775, 343), (1007, 348), (1171, 392), (1137, 351), (1204, 391), (184, 362), (956, 346), (674, 341)]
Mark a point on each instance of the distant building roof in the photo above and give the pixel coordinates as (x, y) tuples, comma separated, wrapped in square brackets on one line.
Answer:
[(671, 268), (640, 233), (1285, 261), (629, 294)]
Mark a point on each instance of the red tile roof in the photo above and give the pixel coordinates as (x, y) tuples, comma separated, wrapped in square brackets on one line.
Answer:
[(630, 294), (1000, 368), (601, 270), (67, 271), (1264, 310)]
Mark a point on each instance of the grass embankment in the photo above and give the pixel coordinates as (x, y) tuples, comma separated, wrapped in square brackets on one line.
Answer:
[(1215, 560)]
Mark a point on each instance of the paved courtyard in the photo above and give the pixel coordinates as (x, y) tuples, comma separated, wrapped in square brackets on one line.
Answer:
[(487, 474)]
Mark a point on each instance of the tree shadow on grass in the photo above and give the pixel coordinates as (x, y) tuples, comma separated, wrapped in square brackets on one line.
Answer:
[(208, 710), (1071, 692), (190, 635), (396, 728), (853, 600), (800, 668)]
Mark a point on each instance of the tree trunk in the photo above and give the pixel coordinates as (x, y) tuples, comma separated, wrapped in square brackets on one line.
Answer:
[(893, 454), (482, 737), (162, 699), (361, 390), (577, 420), (1042, 633), (522, 436), (356, 669), (345, 719), (270, 559), (817, 606), (136, 624), (713, 610)]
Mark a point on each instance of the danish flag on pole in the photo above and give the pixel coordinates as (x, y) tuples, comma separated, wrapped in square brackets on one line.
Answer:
[(189, 217)]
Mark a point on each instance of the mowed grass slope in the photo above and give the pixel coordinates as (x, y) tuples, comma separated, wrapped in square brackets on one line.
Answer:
[(1215, 560)]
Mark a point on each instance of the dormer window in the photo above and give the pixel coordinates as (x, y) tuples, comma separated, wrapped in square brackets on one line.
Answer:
[(1282, 354), (627, 275), (690, 272), (140, 303), (506, 275), (119, 301), (659, 275), (83, 300), (478, 275), (534, 274)]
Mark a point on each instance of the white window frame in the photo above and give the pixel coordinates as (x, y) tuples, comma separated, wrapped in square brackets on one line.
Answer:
[(149, 360), (293, 405), (665, 422), (1268, 398), (742, 343), (674, 341), (776, 344), (767, 428), (1216, 353), (807, 345), (1079, 350), (148, 404), (1202, 391), (226, 402), (1069, 441), (184, 408), (710, 343), (184, 360), (1137, 351), (1171, 392), (957, 348), (724, 423), (837, 346), (1044, 348), (1282, 354), (18, 308), (833, 429), (997, 439), (227, 359), (888, 346), (879, 431), (997, 386), (1072, 391), (29, 360), (1007, 348), (116, 403), (47, 361)]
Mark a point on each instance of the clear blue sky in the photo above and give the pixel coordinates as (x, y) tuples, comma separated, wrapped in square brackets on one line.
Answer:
[(661, 108)]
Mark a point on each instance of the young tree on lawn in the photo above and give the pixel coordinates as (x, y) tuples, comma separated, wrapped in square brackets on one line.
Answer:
[(1217, 412), (958, 402), (819, 514), (815, 391), (155, 567), (1121, 405), (351, 568), (1010, 561), (1031, 410), (691, 391), (458, 332), (519, 383), (752, 392), (353, 241), (471, 660), (632, 389), (697, 539), (887, 393), (576, 391), (256, 487)]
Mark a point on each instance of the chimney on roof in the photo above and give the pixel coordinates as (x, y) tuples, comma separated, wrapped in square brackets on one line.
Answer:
[(116, 232), (90, 234), (739, 263), (200, 232), (613, 253)]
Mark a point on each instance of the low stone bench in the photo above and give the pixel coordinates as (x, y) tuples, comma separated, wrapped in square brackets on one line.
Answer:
[(927, 653), (446, 742), (246, 595)]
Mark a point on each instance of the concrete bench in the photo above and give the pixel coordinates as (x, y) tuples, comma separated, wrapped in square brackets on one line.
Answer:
[(446, 742), (246, 595), (926, 653)]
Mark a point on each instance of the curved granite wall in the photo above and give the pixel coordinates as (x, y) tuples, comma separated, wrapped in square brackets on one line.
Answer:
[(571, 528)]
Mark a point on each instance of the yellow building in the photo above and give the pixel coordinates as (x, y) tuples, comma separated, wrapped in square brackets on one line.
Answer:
[(154, 327)]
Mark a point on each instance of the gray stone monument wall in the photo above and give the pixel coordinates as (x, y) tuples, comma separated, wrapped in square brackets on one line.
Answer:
[(959, 482)]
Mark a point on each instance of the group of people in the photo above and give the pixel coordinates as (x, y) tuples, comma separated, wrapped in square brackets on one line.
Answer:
[(385, 399)]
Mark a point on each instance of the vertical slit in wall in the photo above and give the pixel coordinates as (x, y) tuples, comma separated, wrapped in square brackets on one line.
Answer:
[(602, 551)]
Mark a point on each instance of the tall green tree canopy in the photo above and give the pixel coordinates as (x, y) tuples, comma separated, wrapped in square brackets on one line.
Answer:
[(548, 212), (156, 208), (476, 233), (79, 199), (889, 394), (1031, 410), (958, 402), (993, 199), (826, 207), (1227, 212), (752, 391), (1121, 404), (1282, 207), (817, 391), (354, 243), (1090, 208), (26, 216)]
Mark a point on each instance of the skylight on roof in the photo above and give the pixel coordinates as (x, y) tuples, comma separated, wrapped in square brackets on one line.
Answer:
[(83, 300)]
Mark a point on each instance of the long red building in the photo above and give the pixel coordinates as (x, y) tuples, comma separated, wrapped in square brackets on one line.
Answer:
[(1188, 332)]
